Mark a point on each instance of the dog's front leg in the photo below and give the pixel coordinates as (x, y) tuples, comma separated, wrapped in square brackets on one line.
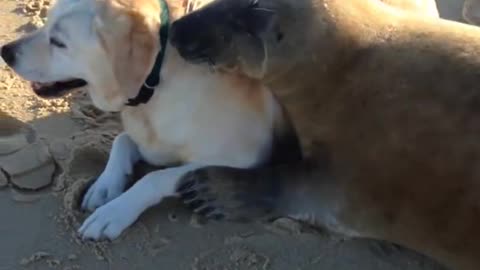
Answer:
[(110, 220), (114, 178)]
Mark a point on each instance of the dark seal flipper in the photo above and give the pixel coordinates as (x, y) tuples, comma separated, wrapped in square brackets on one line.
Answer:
[(251, 194)]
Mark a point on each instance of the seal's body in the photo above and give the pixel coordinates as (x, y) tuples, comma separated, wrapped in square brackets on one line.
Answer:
[(390, 97)]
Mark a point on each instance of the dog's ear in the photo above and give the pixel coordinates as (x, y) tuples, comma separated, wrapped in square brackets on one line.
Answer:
[(130, 38)]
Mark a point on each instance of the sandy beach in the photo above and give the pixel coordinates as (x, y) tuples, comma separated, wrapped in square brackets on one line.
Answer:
[(38, 228)]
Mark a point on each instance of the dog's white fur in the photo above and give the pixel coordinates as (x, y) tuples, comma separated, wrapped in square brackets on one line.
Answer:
[(195, 117)]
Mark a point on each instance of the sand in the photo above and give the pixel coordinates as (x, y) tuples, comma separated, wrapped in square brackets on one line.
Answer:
[(38, 228)]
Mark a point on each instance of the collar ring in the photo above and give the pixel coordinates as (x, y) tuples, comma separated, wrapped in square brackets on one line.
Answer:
[(149, 86)]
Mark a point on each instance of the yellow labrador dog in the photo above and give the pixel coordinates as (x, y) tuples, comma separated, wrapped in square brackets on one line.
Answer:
[(173, 112)]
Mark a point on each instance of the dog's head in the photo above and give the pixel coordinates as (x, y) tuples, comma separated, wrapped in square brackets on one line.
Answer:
[(108, 45)]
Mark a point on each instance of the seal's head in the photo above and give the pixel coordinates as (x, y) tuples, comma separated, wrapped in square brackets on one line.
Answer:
[(227, 34)]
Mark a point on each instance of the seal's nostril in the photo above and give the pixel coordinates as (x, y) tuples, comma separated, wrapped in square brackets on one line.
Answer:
[(8, 54)]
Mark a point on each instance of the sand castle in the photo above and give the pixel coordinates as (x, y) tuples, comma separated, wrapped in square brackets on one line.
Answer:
[(25, 161)]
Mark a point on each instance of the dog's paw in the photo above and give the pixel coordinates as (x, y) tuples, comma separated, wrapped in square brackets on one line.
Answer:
[(228, 193), (108, 221), (105, 189)]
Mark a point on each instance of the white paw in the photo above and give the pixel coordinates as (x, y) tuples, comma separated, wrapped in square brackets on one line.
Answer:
[(106, 188), (109, 221)]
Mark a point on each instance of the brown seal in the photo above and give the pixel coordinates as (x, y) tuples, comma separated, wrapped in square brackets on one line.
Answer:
[(389, 98)]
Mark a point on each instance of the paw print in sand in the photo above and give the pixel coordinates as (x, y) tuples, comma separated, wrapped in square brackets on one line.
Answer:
[(25, 161)]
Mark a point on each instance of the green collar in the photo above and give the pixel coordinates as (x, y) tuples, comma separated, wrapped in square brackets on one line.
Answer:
[(153, 79)]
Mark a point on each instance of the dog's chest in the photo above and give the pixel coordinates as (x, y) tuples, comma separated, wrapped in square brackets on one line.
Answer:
[(151, 136)]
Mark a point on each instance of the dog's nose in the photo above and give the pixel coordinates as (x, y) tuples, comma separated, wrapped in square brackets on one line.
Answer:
[(8, 54)]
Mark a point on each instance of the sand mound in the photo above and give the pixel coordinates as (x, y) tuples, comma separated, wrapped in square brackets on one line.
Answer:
[(25, 161)]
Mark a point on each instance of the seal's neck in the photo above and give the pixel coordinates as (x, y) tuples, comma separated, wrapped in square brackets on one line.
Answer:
[(333, 31)]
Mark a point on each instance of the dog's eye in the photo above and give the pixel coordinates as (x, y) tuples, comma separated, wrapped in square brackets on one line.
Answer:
[(55, 42)]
